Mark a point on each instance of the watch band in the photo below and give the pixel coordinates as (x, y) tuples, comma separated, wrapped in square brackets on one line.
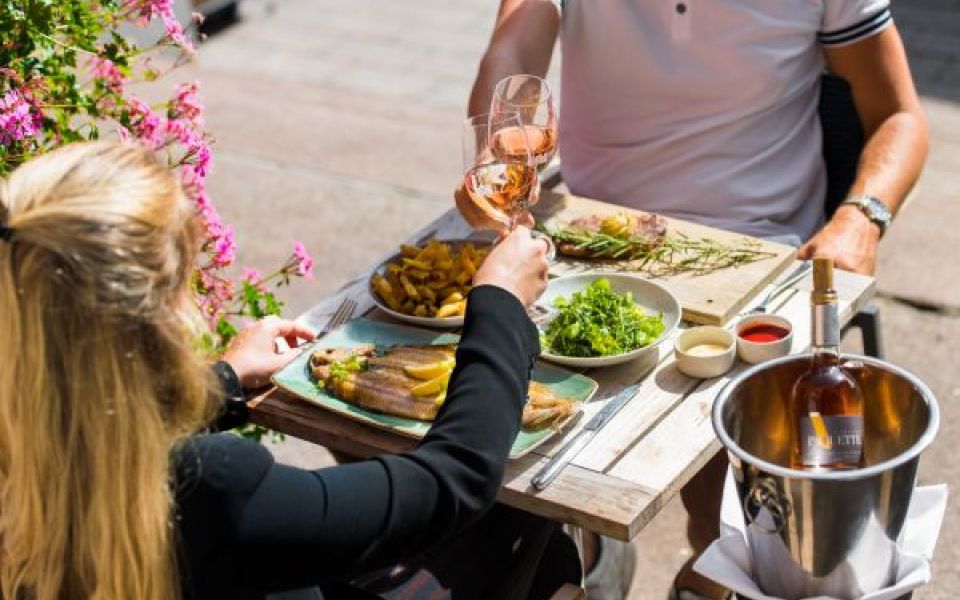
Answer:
[(875, 209)]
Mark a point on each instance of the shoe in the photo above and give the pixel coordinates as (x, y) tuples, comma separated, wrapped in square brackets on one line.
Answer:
[(612, 575)]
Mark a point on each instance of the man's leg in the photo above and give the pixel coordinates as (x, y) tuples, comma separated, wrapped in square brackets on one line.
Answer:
[(701, 498)]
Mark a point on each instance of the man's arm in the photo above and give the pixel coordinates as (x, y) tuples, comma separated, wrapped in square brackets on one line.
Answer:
[(896, 145), (522, 42)]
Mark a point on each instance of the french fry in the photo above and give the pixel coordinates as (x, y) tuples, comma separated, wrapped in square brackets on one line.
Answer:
[(409, 288), (422, 263), (451, 310), (453, 297), (467, 263)]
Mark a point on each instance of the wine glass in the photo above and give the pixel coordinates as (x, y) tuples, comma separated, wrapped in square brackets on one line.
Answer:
[(500, 175), (531, 98)]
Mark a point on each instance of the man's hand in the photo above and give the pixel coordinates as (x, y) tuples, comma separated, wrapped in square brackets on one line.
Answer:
[(480, 219), (850, 239), (253, 353)]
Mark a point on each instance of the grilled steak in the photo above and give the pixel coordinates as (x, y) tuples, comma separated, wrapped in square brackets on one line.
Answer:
[(644, 229)]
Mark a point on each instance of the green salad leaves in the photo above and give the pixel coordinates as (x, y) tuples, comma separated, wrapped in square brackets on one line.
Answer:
[(597, 321)]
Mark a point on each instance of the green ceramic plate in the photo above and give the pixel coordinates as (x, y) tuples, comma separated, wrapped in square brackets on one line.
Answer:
[(295, 378)]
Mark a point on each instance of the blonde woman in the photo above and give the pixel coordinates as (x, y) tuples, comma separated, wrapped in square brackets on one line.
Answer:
[(107, 491)]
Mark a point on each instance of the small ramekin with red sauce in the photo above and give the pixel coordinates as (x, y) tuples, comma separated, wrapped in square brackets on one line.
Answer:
[(763, 337)]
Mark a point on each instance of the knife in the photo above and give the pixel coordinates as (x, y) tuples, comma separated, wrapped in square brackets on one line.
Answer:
[(572, 448)]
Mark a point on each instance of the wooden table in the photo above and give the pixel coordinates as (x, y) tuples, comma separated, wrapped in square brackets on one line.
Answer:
[(631, 470)]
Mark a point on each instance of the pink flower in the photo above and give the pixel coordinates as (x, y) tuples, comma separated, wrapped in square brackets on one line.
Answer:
[(146, 10), (202, 157), (187, 105), (304, 260), (215, 294), (106, 70), (253, 277), (145, 124), (176, 32), (19, 119), (195, 186), (224, 248)]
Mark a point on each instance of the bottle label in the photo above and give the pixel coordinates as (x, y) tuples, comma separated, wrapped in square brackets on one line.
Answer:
[(831, 440)]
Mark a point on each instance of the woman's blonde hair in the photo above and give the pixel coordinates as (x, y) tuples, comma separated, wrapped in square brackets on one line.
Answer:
[(99, 373)]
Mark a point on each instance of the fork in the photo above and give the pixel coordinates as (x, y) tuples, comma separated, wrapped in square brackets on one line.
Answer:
[(339, 316)]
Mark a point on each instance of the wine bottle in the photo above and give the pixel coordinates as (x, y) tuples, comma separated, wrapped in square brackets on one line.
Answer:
[(826, 403)]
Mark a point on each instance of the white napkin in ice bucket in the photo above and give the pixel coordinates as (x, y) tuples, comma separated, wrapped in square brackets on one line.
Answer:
[(727, 560)]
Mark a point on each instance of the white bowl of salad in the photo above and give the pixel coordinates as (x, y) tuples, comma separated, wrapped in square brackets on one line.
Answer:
[(603, 319)]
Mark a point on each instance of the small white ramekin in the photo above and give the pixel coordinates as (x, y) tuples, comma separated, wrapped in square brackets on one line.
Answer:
[(705, 367)]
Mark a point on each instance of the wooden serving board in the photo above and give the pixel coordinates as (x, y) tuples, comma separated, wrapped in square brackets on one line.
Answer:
[(710, 299)]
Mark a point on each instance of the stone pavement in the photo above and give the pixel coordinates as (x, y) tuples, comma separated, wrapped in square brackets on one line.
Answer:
[(338, 124)]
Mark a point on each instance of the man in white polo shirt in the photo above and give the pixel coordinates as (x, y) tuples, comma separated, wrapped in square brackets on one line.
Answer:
[(706, 110)]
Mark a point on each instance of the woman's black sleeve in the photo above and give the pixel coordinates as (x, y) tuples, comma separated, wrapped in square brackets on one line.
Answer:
[(289, 527)]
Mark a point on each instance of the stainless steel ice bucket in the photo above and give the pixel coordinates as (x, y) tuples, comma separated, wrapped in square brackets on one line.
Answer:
[(832, 533)]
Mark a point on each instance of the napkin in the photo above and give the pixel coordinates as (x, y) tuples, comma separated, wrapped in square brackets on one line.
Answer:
[(727, 560)]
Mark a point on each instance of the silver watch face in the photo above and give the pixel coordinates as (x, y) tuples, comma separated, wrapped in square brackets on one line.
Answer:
[(877, 210)]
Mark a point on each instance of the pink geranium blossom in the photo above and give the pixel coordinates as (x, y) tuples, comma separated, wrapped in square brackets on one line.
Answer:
[(304, 260), (146, 10), (176, 32), (108, 72), (145, 124), (253, 277), (18, 118), (187, 105), (224, 248)]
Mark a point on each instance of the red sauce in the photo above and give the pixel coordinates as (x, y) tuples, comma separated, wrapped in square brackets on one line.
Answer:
[(764, 334)]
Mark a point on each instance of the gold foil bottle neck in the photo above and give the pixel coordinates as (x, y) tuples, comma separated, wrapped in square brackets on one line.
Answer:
[(823, 292)]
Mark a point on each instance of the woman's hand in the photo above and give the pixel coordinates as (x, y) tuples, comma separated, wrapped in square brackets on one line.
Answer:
[(850, 239), (517, 264), (480, 219), (253, 353)]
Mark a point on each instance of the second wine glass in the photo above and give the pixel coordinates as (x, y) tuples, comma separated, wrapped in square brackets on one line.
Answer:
[(500, 174), (531, 98)]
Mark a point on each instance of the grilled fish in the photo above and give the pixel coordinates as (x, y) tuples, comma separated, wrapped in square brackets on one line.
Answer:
[(379, 382)]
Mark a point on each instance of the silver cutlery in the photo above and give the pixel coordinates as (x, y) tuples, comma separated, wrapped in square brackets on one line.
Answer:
[(572, 448), (796, 275), (340, 316)]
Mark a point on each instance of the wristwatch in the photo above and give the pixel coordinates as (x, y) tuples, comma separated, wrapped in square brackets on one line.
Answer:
[(875, 210)]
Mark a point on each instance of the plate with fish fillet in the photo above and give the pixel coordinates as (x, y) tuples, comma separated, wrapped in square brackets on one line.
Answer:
[(395, 378)]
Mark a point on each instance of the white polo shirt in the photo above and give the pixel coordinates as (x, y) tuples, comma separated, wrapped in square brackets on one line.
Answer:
[(704, 110)]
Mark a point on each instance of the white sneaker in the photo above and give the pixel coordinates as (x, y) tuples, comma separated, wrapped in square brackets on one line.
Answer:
[(612, 575)]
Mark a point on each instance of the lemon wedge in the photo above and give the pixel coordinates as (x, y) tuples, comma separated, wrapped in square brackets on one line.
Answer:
[(820, 429), (429, 371), (441, 398), (429, 388)]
